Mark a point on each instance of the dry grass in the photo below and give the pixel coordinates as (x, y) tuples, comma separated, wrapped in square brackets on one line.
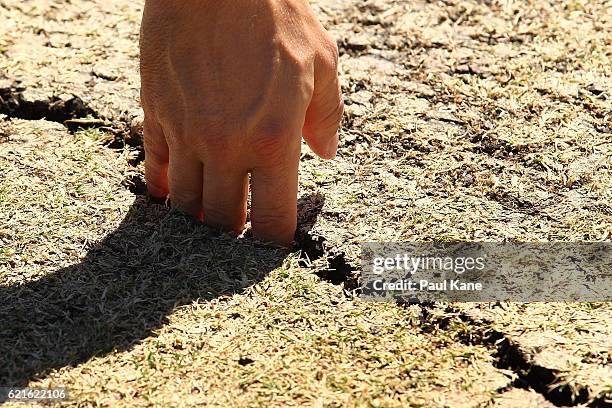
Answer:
[(465, 121), (128, 303)]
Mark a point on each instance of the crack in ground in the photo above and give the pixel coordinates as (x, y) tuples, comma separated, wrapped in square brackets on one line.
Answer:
[(506, 353), (14, 104), (74, 114), (69, 111), (332, 266), (509, 356)]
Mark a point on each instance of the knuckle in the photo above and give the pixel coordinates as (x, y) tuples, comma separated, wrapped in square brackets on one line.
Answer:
[(331, 54), (270, 147), (271, 139), (216, 142), (172, 130), (216, 134), (200, 136), (274, 129)]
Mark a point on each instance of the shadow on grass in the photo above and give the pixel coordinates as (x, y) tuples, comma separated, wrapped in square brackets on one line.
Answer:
[(124, 289)]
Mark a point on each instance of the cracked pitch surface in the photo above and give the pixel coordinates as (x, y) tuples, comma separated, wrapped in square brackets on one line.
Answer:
[(464, 121)]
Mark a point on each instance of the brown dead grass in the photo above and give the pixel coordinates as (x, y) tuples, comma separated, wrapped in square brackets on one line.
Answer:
[(465, 121), (129, 304)]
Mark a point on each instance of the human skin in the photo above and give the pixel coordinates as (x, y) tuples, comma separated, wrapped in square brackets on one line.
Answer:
[(228, 89)]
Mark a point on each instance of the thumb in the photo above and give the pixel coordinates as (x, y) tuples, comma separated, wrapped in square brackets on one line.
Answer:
[(325, 111)]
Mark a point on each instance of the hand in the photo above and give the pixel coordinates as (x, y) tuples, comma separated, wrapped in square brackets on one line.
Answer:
[(228, 89)]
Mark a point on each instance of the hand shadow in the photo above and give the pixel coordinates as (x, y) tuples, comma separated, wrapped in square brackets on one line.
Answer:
[(124, 289)]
